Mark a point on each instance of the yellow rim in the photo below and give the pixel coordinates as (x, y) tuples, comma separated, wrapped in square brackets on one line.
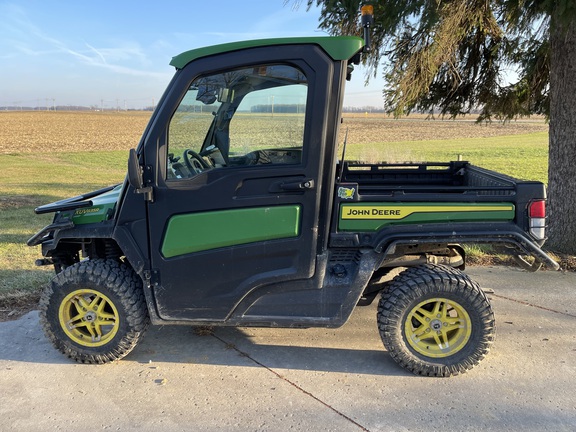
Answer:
[(438, 327), (89, 318)]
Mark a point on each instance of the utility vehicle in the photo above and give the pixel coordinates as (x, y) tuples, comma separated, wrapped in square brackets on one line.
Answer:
[(237, 211)]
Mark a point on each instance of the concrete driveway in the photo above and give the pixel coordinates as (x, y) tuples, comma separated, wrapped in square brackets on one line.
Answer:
[(306, 380)]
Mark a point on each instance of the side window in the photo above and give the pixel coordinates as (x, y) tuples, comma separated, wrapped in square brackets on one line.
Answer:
[(250, 116), (269, 126)]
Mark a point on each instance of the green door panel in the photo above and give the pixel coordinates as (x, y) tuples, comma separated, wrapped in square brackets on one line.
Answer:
[(374, 216), (195, 232)]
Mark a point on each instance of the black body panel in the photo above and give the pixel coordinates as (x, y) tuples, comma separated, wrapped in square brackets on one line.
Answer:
[(211, 285)]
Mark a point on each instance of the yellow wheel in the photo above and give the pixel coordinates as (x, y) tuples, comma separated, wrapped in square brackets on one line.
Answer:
[(435, 321), (89, 318), (94, 311), (438, 327)]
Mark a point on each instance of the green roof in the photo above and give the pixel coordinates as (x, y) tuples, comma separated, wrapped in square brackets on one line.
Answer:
[(337, 47)]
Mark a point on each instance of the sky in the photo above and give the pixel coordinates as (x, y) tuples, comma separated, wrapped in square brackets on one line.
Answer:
[(117, 53)]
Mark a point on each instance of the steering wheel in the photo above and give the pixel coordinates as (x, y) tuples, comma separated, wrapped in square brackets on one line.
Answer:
[(194, 161)]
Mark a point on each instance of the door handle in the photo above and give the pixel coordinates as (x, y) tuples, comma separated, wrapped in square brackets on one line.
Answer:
[(298, 186)]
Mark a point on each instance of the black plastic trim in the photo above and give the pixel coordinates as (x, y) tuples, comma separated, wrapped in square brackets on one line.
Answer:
[(48, 230), (72, 203), (517, 239)]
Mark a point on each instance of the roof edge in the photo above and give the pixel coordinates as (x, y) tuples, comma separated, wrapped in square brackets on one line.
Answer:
[(337, 47)]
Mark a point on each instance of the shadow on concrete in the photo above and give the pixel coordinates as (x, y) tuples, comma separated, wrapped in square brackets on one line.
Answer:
[(23, 341), (232, 347)]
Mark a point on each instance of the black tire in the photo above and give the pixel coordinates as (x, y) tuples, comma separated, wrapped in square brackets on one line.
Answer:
[(94, 311), (435, 321)]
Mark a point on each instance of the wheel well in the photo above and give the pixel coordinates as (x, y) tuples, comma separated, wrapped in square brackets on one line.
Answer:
[(71, 251), (412, 255)]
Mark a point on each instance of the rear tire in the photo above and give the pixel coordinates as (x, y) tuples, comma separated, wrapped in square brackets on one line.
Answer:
[(94, 311), (435, 321)]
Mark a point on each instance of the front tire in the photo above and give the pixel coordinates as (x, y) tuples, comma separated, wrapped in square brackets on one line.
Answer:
[(435, 321), (94, 311)]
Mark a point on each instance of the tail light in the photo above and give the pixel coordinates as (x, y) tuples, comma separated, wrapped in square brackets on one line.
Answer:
[(537, 219)]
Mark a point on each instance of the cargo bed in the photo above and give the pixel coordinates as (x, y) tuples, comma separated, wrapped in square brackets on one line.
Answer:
[(445, 177)]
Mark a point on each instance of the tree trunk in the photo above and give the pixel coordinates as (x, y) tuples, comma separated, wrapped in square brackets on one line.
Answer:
[(562, 141)]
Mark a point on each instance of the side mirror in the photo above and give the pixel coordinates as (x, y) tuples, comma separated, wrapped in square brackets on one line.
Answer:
[(135, 177)]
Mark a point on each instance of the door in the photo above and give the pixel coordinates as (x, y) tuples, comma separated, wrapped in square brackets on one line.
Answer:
[(236, 197)]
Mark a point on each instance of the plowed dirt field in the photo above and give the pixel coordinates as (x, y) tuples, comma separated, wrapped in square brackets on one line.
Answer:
[(43, 131)]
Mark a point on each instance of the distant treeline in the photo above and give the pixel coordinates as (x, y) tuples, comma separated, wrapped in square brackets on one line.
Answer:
[(294, 109), (279, 108), (364, 109), (70, 108), (263, 108)]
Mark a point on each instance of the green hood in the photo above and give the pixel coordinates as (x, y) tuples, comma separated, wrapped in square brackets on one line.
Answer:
[(92, 207), (102, 208)]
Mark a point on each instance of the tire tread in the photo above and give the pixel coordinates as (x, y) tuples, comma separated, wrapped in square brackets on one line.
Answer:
[(415, 283), (118, 279)]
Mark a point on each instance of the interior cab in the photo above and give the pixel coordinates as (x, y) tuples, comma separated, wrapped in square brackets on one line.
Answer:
[(248, 116)]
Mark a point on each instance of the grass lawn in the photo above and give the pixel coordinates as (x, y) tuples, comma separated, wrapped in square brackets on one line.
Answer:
[(27, 181), (522, 156)]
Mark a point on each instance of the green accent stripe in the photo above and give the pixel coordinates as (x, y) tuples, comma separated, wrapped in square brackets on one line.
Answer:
[(195, 232), (374, 216), (337, 47)]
